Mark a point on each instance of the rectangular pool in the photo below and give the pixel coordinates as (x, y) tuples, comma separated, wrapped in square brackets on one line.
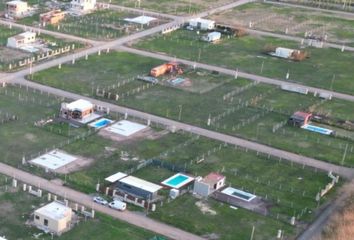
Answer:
[(233, 192), (321, 130), (100, 123), (177, 181)]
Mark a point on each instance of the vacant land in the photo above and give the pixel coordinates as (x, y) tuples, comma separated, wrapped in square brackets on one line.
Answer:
[(252, 112), (180, 7), (291, 21), (332, 68), (101, 25)]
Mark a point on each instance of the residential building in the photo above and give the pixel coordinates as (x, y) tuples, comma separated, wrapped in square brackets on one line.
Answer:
[(78, 109), (53, 217), (202, 24), (210, 183), (300, 118), (138, 187), (21, 39), (83, 6), (52, 17), (16, 9)]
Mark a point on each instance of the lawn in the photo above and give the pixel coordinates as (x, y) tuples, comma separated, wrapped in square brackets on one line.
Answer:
[(101, 25), (333, 68), (277, 18), (267, 106)]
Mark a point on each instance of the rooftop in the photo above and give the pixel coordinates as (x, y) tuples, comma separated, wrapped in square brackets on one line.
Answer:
[(15, 2), (213, 177), (54, 210), (115, 177), (303, 115), (79, 105), (140, 183)]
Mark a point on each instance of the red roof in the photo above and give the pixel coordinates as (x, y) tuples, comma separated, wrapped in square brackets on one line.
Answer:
[(213, 177), (303, 115)]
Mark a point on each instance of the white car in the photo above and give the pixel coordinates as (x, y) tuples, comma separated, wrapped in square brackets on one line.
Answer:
[(100, 200), (118, 205)]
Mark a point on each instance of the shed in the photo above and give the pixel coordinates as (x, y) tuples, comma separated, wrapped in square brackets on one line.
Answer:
[(210, 183), (53, 217), (138, 187), (212, 37), (202, 24), (300, 118)]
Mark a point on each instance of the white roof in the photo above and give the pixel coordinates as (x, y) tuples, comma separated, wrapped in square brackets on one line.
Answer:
[(54, 210), (54, 159), (16, 2), (2, 238), (283, 52), (202, 20), (140, 19), (140, 183), (80, 105), (27, 34), (115, 177), (125, 128), (214, 34)]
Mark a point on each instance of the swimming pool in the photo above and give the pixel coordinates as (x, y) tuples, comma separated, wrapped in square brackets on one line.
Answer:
[(177, 81), (321, 130), (177, 181), (100, 123), (239, 194)]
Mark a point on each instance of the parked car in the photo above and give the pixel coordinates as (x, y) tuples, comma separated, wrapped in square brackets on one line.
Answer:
[(118, 205), (100, 200)]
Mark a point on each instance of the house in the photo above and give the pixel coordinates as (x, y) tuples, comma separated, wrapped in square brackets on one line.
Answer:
[(115, 177), (53, 217), (288, 53), (21, 39), (138, 187), (82, 6), (2, 238), (78, 109), (52, 17), (202, 24), (207, 185), (212, 37), (300, 119), (16, 9)]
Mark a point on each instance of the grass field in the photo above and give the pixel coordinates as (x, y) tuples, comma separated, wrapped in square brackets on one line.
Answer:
[(17, 206), (270, 105), (180, 7), (277, 18), (101, 25), (333, 68)]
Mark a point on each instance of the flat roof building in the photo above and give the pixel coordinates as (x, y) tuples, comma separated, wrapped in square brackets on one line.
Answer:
[(52, 17), (138, 187), (78, 109), (300, 118), (115, 177), (53, 217), (82, 6), (16, 9), (202, 24), (210, 183), (21, 39)]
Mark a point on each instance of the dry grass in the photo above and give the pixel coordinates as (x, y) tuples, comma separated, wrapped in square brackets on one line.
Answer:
[(340, 226)]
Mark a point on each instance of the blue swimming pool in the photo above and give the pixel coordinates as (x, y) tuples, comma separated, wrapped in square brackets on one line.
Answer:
[(246, 196), (101, 123), (178, 180), (321, 130)]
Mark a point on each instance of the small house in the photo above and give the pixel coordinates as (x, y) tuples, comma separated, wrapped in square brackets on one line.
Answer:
[(52, 17), (212, 37), (300, 119), (138, 187), (78, 109), (82, 6), (16, 9), (288, 53), (202, 24), (21, 39), (53, 217), (207, 185)]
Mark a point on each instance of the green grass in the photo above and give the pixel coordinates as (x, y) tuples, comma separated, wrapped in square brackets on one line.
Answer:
[(100, 25), (246, 54)]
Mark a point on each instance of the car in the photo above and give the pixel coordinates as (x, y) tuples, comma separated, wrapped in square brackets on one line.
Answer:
[(118, 205), (100, 200)]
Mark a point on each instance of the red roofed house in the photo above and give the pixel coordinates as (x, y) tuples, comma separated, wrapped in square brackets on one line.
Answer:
[(300, 118), (210, 183)]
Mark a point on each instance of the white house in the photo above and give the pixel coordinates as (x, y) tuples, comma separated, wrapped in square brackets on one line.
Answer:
[(212, 37), (82, 6), (53, 217), (202, 24), (284, 52), (21, 39), (207, 185), (16, 9), (78, 109)]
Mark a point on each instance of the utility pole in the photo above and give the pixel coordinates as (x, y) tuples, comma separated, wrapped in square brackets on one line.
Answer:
[(180, 112)]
